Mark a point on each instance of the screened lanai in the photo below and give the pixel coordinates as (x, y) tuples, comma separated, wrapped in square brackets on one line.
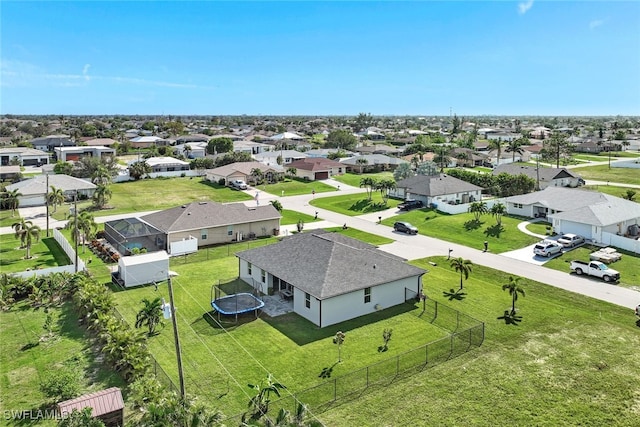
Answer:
[(125, 235)]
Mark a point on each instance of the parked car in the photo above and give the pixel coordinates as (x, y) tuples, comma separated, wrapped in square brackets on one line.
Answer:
[(405, 227), (239, 184), (547, 248), (409, 204), (570, 240), (595, 268)]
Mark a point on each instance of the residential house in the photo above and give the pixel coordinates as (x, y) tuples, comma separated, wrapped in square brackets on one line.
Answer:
[(587, 213), (105, 142), (23, 156), (165, 164), (145, 141), (437, 189), (48, 143), (10, 173), (192, 150), (183, 139), (74, 154), (467, 157), (378, 149), (317, 168), (213, 223), (251, 147), (544, 177), (34, 189), (242, 170), (286, 157), (503, 136), (371, 162), (332, 278)]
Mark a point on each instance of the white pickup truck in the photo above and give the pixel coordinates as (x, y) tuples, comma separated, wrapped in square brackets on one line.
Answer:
[(595, 268)]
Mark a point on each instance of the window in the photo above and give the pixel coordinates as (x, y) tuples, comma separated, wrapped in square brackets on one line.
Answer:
[(307, 300), (367, 295), (517, 205), (249, 268), (230, 230), (203, 234), (263, 276)]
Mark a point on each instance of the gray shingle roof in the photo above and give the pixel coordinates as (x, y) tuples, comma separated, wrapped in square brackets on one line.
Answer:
[(327, 264), (38, 184), (546, 174), (435, 185), (199, 215)]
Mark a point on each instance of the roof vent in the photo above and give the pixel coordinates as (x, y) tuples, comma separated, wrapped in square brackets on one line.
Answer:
[(202, 203), (184, 206)]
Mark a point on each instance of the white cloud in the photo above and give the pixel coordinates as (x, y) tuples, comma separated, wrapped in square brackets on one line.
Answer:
[(523, 7), (595, 23), (85, 71)]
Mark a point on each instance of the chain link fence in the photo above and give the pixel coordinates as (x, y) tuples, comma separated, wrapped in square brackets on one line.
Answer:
[(216, 252)]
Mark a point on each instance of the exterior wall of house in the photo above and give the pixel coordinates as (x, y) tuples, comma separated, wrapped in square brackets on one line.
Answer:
[(348, 306), (215, 235), (305, 174), (564, 226), (520, 209), (312, 313), (254, 278)]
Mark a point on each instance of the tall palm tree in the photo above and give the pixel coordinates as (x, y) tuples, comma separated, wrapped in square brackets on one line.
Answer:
[(368, 183), (497, 211), (101, 176), (464, 266), (496, 144), (478, 209), (150, 315), (101, 195), (55, 198), (11, 200), (384, 185), (86, 227), (362, 163), (30, 235), (19, 227), (514, 288), (514, 147), (441, 157)]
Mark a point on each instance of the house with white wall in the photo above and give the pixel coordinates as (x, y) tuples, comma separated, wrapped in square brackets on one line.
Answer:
[(332, 278)]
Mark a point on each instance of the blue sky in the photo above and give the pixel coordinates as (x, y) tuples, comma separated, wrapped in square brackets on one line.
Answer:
[(320, 58)]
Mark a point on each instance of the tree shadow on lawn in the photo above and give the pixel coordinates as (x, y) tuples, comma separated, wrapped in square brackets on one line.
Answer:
[(301, 331), (510, 318), (472, 224), (494, 231), (366, 206)]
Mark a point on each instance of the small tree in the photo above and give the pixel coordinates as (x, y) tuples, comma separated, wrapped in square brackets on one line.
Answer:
[(150, 315), (28, 236), (80, 419), (11, 200), (61, 384), (55, 198), (369, 184), (498, 210), (464, 266), (629, 195), (277, 205), (260, 402), (386, 337), (339, 339), (514, 289), (478, 209)]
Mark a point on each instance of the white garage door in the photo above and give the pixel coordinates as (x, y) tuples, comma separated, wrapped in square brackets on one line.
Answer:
[(576, 228)]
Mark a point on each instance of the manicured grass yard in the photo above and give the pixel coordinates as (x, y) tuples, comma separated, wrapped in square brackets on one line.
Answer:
[(539, 227), (353, 179), (44, 254), (603, 173), (362, 235), (628, 266), (571, 361), (292, 217), (462, 229), (613, 190), (6, 220), (25, 360), (294, 187), (158, 193), (354, 204)]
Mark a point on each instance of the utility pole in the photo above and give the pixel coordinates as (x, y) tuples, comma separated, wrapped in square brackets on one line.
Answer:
[(75, 225), (538, 172), (46, 200), (176, 339)]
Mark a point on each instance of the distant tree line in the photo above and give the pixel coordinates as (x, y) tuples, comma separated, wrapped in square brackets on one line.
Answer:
[(501, 185)]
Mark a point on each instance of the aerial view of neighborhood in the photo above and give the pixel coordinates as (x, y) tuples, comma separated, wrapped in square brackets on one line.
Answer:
[(319, 214)]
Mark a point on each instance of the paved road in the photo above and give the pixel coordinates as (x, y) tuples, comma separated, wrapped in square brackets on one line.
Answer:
[(419, 246)]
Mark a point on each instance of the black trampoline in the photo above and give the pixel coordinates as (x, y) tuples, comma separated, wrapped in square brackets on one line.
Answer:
[(237, 304)]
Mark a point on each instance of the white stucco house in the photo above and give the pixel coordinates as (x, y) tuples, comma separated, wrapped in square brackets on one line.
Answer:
[(599, 217), (437, 189), (330, 277), (544, 177), (34, 190)]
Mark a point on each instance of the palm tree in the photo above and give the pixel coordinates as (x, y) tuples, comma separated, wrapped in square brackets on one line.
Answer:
[(101, 195), (55, 198), (464, 266), (11, 200), (257, 175), (29, 235), (86, 227), (441, 157), (101, 176), (384, 185), (514, 288), (291, 171), (260, 402), (514, 147), (19, 227), (150, 315), (368, 183), (362, 163), (497, 211), (139, 169), (478, 209), (496, 144)]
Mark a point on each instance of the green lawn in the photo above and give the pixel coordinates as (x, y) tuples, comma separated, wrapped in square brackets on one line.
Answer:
[(353, 179), (354, 204), (6, 219), (603, 173), (587, 157), (156, 194), (627, 266), (295, 187), (25, 360), (44, 254), (362, 235), (539, 227), (462, 229), (571, 361), (292, 217), (613, 190)]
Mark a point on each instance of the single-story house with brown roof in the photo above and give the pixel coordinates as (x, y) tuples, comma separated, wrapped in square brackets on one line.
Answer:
[(317, 168), (330, 277), (242, 170)]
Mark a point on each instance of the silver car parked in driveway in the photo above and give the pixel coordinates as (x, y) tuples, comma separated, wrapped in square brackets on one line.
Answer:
[(547, 248), (570, 240)]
